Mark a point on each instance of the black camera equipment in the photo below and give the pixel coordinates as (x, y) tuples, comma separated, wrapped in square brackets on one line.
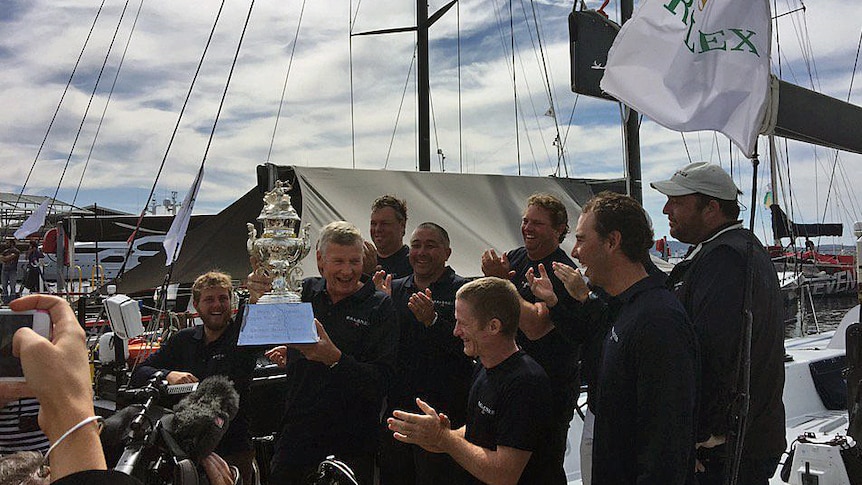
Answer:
[(159, 446)]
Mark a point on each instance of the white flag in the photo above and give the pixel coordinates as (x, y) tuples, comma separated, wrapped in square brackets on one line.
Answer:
[(34, 222), (174, 238), (695, 65)]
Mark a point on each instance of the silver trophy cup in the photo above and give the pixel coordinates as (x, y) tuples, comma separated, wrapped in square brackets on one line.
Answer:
[(281, 246)]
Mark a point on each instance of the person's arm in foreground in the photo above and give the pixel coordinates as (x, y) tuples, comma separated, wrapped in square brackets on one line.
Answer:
[(57, 372)]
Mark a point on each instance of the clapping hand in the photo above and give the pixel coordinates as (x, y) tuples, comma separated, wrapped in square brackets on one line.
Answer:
[(383, 281), (426, 430), (573, 280), (541, 286), (493, 265), (422, 306), (369, 258)]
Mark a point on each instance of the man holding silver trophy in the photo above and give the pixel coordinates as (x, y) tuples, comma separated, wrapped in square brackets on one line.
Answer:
[(336, 384)]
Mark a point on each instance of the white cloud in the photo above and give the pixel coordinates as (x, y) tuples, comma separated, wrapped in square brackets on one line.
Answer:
[(42, 39)]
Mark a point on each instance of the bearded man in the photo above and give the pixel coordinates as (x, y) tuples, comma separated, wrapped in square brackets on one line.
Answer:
[(198, 352)]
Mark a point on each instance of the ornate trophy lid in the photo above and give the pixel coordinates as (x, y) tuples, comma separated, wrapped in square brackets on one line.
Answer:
[(277, 208)]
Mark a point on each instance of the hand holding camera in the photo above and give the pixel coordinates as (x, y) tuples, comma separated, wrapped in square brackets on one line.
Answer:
[(57, 373)]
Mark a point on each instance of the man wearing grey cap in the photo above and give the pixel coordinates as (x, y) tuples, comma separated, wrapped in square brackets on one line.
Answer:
[(710, 282)]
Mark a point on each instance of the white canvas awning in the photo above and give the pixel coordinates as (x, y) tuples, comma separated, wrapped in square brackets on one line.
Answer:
[(478, 211)]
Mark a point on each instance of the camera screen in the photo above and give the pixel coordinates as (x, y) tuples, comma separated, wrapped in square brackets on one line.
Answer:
[(10, 366)]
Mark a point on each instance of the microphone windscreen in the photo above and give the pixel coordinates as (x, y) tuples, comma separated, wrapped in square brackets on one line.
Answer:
[(202, 418), (215, 390)]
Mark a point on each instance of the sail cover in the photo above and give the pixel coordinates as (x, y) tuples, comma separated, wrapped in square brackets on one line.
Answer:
[(783, 227), (478, 211)]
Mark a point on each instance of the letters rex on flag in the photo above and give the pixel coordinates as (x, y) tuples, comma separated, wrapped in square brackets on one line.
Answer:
[(174, 238), (695, 65)]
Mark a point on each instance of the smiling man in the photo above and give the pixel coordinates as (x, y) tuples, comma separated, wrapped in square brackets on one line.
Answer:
[(431, 361), (545, 337), (645, 392), (504, 439), (388, 226), (335, 387), (544, 226), (198, 352)]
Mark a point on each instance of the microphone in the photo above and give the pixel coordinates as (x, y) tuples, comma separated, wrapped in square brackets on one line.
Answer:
[(202, 418)]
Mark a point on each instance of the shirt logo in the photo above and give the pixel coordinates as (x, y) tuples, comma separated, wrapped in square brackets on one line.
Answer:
[(614, 336), (485, 409), (357, 322), (218, 357)]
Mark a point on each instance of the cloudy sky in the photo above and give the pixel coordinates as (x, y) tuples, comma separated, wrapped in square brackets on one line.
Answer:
[(40, 41)]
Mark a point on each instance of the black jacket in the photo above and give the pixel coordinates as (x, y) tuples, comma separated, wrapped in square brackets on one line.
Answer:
[(431, 360), (710, 284), (98, 477), (336, 410), (645, 396)]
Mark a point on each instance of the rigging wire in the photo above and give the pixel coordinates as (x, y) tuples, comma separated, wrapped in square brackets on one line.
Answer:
[(547, 78), (351, 22), (836, 159), (515, 87), (400, 106), (57, 110), (460, 144), (854, 201), (855, 65), (108, 101), (685, 145), (434, 123), (90, 101), (536, 115), (509, 63), (286, 77), (571, 117), (163, 300), (171, 140), (716, 143), (227, 83)]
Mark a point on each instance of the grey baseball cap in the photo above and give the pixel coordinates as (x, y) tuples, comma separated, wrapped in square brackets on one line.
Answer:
[(699, 178)]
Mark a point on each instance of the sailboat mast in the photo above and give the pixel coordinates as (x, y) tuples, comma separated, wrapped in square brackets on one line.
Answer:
[(632, 131), (423, 88)]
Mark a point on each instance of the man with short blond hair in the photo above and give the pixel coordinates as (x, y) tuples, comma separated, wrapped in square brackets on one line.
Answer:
[(198, 352), (504, 439)]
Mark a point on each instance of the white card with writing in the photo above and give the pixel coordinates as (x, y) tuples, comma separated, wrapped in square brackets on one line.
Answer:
[(277, 324)]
